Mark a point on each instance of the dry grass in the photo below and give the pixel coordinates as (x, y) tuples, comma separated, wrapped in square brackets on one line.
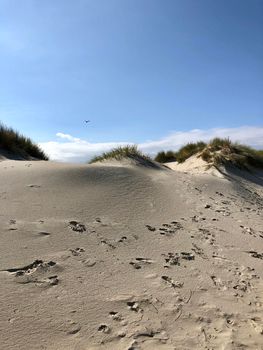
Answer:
[(188, 150), (223, 152), (217, 152), (16, 143), (125, 152)]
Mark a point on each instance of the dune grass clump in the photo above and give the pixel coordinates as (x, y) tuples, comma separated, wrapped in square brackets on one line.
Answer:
[(189, 150), (219, 151), (16, 143), (165, 157), (223, 151), (122, 152)]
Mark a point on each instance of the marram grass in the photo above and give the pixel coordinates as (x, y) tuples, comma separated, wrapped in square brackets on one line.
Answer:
[(219, 151), (122, 152), (16, 143)]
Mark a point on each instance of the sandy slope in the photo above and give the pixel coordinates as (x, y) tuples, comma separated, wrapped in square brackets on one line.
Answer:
[(80, 268)]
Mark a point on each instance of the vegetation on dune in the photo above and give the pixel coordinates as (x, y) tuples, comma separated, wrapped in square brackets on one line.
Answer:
[(165, 157), (189, 149), (16, 143), (119, 153), (182, 154), (218, 151), (223, 151)]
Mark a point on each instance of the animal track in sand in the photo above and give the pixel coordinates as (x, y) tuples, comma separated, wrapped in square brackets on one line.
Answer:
[(176, 258), (166, 229), (43, 233), (77, 251), (240, 280), (151, 228), (172, 283), (88, 262), (77, 226), (122, 239), (251, 232), (197, 218), (106, 242), (207, 235), (74, 328), (140, 262), (104, 329), (199, 251), (224, 211), (134, 306), (169, 229), (37, 272), (255, 254), (115, 316), (12, 223), (219, 194)]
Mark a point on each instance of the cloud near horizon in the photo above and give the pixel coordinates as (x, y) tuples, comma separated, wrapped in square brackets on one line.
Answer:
[(73, 149)]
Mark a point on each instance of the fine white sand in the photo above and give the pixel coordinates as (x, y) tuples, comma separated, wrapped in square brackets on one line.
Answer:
[(128, 257)]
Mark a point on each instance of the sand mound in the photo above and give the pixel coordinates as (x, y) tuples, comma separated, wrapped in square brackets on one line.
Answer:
[(195, 165), (131, 162), (125, 257), (5, 155)]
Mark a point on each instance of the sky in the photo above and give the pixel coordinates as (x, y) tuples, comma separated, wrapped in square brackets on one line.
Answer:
[(158, 73)]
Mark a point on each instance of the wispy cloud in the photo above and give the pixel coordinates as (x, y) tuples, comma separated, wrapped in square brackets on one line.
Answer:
[(73, 149)]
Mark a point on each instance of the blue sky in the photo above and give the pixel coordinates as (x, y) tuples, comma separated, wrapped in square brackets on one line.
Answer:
[(140, 70)]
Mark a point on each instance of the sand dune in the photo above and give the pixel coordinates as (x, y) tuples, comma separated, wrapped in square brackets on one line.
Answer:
[(128, 257)]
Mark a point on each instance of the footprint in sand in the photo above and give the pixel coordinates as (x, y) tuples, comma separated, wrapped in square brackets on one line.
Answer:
[(38, 272), (104, 329), (77, 226), (248, 230), (77, 251), (176, 258), (106, 242), (43, 233), (134, 306), (151, 228), (115, 316), (139, 262), (199, 251), (171, 282), (170, 229), (12, 223), (197, 218), (207, 235), (255, 254), (89, 262)]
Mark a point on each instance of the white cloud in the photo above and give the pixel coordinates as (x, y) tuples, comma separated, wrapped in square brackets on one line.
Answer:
[(246, 134), (68, 137), (77, 150)]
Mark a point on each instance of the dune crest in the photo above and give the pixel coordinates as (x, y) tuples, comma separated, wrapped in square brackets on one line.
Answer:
[(126, 257)]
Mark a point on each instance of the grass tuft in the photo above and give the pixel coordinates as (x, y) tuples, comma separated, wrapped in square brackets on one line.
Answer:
[(14, 142), (223, 151), (188, 150), (219, 151), (119, 153), (166, 157)]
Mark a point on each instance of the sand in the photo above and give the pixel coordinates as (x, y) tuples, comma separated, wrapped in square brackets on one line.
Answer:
[(127, 257)]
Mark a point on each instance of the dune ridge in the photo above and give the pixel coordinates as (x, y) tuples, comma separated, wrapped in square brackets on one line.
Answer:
[(126, 257)]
